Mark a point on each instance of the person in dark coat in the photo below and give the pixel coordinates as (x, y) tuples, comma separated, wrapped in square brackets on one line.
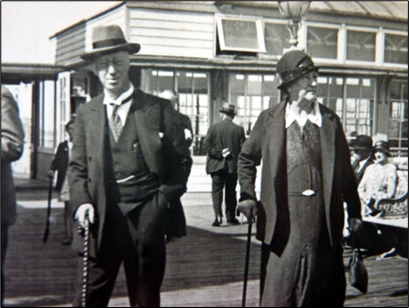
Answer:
[(129, 167), (223, 144), (185, 122), (60, 164), (362, 155), (306, 176), (12, 144)]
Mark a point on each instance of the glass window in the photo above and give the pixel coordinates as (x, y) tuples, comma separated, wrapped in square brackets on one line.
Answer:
[(352, 99), (398, 117), (361, 46), (359, 107), (396, 49), (322, 42), (193, 91), (240, 34), (251, 94), (330, 93), (277, 38)]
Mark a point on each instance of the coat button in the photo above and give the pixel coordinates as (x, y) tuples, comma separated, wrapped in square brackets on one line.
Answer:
[(89, 158)]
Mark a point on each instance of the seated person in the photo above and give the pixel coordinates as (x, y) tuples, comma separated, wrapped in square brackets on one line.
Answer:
[(379, 180), (361, 157)]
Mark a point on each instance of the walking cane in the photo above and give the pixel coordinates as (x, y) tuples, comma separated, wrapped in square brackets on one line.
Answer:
[(47, 223), (85, 265), (246, 266)]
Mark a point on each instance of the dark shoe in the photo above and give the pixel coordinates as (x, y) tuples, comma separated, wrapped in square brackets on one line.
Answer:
[(233, 221), (216, 223), (66, 242)]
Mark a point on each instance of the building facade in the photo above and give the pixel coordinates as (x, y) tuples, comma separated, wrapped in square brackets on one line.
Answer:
[(216, 51)]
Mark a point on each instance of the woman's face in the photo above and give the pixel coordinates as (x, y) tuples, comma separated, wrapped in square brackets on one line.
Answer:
[(380, 156)]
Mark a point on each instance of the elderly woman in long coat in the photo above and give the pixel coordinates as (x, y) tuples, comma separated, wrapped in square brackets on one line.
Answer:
[(306, 177)]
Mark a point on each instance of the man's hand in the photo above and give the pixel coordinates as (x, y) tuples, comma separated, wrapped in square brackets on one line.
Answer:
[(225, 152), (85, 211), (248, 208), (355, 225), (50, 173)]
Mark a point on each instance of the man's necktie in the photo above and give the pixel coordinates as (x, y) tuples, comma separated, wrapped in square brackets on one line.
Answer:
[(115, 122)]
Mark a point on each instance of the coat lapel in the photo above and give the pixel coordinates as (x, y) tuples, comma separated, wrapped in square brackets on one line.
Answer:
[(328, 131), (147, 118), (97, 123), (276, 138)]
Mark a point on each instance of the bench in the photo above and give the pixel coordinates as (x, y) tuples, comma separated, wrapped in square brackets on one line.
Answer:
[(396, 207)]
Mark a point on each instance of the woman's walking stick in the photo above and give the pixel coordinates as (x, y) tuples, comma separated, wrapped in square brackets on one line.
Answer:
[(85, 265), (246, 266)]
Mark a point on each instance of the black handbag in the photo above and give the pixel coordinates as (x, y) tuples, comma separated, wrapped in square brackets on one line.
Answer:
[(358, 274)]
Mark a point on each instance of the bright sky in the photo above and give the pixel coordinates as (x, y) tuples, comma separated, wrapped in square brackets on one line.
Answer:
[(27, 25)]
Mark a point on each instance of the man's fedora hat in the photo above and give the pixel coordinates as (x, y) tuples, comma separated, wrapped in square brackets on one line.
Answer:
[(107, 39), (362, 142), (382, 146), (292, 65), (228, 109)]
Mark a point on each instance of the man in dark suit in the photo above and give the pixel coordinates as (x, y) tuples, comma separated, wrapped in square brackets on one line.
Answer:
[(306, 176), (223, 144), (362, 156), (12, 143), (60, 164), (128, 169)]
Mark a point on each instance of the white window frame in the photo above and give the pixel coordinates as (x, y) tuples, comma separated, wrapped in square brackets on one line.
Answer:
[(280, 22), (393, 32), (260, 33), (339, 58), (361, 29)]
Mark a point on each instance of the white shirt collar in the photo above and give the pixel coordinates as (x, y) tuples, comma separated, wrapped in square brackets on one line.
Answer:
[(120, 98), (363, 162), (123, 108), (314, 117)]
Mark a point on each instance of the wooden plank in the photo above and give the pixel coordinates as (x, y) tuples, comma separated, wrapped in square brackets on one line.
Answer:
[(176, 51), (166, 42), (175, 25), (169, 33), (171, 16)]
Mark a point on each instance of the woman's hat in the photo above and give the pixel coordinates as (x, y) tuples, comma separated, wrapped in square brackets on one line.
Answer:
[(228, 109), (361, 142), (382, 146), (292, 65), (107, 39)]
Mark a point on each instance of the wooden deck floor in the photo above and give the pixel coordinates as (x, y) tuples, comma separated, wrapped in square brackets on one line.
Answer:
[(205, 268)]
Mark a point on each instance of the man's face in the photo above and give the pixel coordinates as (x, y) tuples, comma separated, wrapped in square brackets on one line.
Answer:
[(304, 88), (112, 70), (362, 154), (71, 131)]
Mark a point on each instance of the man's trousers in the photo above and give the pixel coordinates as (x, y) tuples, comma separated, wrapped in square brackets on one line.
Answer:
[(223, 180), (138, 240)]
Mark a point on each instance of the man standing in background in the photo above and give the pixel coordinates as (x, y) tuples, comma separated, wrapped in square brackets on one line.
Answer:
[(223, 144)]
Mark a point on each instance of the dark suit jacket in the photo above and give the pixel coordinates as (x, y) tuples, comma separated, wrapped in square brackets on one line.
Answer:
[(60, 163), (224, 134), (359, 175), (186, 124), (267, 142), (12, 142), (168, 156)]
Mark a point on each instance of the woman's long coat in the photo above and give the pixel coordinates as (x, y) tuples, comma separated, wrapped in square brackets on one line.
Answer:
[(267, 143)]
